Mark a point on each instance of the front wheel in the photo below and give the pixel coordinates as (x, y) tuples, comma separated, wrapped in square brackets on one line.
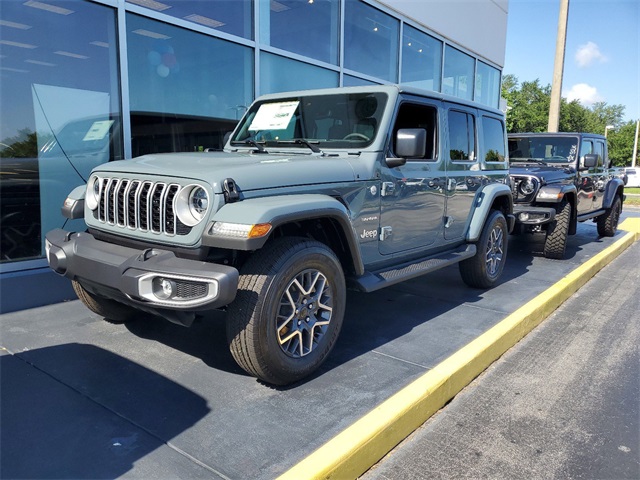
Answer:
[(484, 269), (608, 223), (288, 310), (555, 242)]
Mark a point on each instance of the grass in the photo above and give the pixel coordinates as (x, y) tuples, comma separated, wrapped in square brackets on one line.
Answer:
[(635, 201)]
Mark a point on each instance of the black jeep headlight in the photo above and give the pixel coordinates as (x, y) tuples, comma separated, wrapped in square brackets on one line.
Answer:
[(92, 196), (527, 186), (192, 205)]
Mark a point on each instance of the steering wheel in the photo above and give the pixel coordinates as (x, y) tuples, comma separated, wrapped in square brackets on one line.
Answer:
[(356, 136)]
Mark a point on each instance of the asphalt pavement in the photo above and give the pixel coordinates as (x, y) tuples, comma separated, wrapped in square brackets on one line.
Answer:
[(82, 398), (563, 403)]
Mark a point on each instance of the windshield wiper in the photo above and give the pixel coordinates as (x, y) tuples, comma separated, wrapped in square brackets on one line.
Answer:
[(303, 141), (253, 143), (527, 160)]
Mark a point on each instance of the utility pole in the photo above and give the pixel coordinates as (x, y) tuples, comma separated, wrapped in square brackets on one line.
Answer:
[(635, 145), (558, 67)]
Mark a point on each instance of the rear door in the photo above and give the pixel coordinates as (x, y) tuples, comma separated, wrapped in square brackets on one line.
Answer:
[(462, 169)]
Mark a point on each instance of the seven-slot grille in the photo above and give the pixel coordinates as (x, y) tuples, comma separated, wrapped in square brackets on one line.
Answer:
[(140, 205)]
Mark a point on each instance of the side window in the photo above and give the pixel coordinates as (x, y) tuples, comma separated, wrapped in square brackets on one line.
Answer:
[(413, 115), (599, 150), (462, 137), (493, 137), (585, 148)]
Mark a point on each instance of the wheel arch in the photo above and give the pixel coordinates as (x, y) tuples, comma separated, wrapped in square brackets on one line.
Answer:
[(493, 197), (321, 217)]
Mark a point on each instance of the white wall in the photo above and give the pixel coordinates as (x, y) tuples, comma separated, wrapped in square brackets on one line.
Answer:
[(478, 25)]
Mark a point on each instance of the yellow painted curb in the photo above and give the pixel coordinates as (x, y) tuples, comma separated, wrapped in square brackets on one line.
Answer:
[(354, 450)]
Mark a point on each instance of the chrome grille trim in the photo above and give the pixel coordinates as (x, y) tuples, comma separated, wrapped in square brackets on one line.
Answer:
[(140, 205)]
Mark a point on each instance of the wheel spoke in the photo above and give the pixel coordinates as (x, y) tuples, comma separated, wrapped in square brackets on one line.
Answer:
[(305, 313)]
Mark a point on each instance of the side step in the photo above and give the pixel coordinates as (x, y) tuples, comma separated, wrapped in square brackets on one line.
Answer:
[(372, 281)]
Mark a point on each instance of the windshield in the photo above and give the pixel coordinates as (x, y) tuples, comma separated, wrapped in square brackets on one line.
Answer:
[(328, 121), (544, 149)]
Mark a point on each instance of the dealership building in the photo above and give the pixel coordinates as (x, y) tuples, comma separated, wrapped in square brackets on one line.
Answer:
[(85, 82)]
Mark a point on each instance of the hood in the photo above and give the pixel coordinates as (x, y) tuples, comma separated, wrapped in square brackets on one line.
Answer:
[(249, 171), (546, 173)]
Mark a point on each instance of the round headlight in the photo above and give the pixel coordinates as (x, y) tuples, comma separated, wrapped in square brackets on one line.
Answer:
[(92, 196), (527, 186), (192, 205)]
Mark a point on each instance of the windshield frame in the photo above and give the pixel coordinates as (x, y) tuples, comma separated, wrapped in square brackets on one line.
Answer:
[(342, 121)]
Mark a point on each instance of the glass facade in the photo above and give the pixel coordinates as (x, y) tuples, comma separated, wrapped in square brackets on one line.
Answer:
[(421, 59), (180, 96), (371, 41), (308, 28), (487, 85), (60, 113), (83, 82), (458, 73)]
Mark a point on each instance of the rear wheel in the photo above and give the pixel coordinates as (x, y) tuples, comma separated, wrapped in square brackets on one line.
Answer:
[(555, 242), (112, 311), (288, 310), (484, 269), (608, 223)]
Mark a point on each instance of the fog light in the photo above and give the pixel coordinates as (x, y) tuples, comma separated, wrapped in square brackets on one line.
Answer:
[(523, 217), (163, 288)]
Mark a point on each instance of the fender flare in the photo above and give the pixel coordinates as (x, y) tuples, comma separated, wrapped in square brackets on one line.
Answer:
[(483, 203), (614, 186), (277, 211)]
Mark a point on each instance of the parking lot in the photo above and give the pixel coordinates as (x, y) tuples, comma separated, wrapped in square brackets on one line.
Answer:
[(82, 398)]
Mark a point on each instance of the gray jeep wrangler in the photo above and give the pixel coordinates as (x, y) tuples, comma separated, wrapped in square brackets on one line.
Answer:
[(314, 191)]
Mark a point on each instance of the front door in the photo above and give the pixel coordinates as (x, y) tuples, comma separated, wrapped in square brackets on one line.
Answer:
[(412, 195)]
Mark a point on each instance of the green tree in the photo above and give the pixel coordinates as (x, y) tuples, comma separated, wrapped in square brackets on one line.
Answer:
[(620, 143)]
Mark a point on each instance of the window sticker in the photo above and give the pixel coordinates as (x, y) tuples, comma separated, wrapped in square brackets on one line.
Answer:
[(98, 131), (273, 116)]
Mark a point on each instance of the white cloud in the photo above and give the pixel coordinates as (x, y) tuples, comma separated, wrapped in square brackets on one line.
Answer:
[(588, 54), (584, 93)]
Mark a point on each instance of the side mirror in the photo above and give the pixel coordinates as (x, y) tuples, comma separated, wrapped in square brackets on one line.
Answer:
[(411, 142), (590, 160)]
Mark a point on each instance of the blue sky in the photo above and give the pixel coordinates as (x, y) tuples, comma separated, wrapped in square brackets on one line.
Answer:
[(602, 59)]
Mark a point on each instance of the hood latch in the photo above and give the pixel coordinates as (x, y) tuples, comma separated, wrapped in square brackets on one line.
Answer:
[(230, 190)]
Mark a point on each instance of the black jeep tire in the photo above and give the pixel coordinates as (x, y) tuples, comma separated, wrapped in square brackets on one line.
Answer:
[(555, 242), (112, 311), (608, 222), (288, 311), (484, 269)]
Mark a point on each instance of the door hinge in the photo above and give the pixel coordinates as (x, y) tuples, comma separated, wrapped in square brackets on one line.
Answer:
[(387, 189)]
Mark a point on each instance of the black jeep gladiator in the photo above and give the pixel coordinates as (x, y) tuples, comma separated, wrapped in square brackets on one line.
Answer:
[(560, 179)]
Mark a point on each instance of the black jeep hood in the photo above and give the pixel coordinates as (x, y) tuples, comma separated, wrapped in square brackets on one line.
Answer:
[(547, 173)]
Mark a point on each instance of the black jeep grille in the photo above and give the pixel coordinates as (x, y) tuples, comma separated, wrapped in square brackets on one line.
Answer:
[(140, 205)]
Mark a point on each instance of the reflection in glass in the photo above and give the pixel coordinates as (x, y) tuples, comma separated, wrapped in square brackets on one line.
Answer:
[(421, 60), (279, 74), (308, 28), (493, 136), (458, 74), (180, 91), (487, 85), (370, 41), (351, 81), (59, 104), (229, 16)]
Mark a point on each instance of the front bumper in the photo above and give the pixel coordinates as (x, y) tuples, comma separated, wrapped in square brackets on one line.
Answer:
[(140, 275), (528, 215)]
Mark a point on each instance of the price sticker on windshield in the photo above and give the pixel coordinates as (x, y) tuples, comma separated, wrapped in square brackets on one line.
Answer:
[(273, 116)]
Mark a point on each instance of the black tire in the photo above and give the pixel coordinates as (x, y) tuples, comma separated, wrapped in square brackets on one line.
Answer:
[(112, 311), (484, 269), (608, 223), (555, 242), (278, 330)]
